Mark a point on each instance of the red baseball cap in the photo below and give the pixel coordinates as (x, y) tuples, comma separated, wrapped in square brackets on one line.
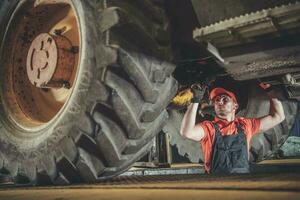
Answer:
[(218, 91)]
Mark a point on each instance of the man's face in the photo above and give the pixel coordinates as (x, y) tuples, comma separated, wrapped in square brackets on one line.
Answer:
[(224, 106)]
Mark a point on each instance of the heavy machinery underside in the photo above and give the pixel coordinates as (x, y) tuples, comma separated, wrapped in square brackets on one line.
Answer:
[(85, 85)]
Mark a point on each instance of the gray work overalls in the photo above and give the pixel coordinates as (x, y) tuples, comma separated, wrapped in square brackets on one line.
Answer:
[(230, 153)]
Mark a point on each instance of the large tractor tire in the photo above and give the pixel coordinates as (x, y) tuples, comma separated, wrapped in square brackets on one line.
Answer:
[(104, 99), (263, 146)]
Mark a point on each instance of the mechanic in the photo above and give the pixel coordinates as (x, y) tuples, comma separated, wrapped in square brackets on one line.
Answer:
[(225, 140)]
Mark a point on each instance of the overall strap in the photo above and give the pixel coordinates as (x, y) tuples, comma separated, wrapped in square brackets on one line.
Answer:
[(240, 129), (217, 129)]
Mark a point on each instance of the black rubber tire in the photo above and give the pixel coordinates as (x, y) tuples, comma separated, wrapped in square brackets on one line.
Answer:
[(118, 104), (263, 146)]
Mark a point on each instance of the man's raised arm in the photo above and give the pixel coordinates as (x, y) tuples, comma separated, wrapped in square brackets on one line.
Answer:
[(276, 115), (188, 128)]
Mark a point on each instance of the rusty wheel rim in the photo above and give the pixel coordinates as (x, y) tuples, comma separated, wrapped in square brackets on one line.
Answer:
[(39, 75)]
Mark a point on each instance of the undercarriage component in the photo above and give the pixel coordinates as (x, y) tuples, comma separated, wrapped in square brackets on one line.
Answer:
[(291, 79), (256, 45), (293, 92), (214, 11), (290, 83), (273, 22)]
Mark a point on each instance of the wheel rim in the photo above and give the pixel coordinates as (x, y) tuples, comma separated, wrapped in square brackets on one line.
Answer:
[(38, 76)]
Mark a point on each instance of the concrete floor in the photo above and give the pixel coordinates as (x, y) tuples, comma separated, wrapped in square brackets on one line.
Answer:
[(259, 185), (134, 194)]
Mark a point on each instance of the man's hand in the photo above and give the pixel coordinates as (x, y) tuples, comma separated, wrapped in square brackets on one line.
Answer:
[(198, 92), (265, 86), (268, 89), (276, 113)]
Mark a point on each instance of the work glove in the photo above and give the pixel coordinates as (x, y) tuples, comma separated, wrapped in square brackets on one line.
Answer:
[(273, 91), (268, 89), (198, 92)]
